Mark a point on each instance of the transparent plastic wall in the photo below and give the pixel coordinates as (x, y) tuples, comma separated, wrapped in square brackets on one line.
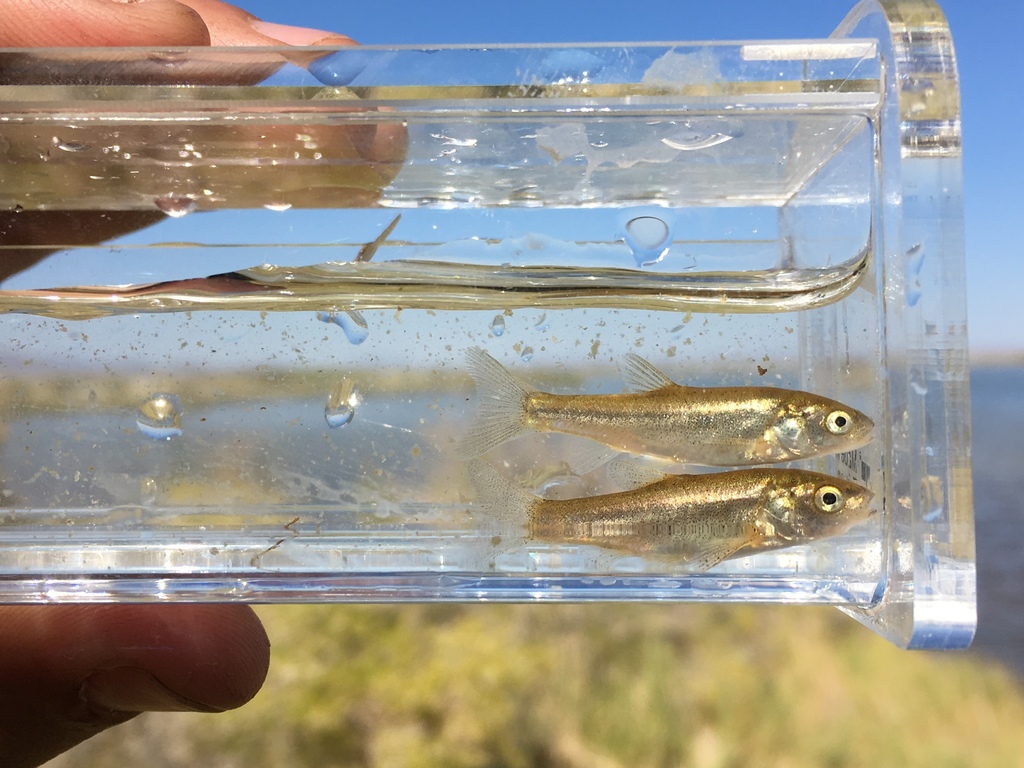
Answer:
[(621, 322)]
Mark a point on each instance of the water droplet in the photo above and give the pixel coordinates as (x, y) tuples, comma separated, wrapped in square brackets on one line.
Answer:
[(277, 206), (526, 355), (912, 271), (175, 206), (341, 404), (498, 325), (70, 146), (913, 293), (568, 66), (648, 238), (915, 258), (350, 321), (542, 323), (160, 416), (149, 491)]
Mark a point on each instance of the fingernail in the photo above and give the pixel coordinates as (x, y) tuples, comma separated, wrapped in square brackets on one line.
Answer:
[(298, 35), (130, 689)]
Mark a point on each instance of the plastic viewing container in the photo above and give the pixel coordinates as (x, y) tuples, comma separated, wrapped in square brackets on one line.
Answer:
[(278, 324)]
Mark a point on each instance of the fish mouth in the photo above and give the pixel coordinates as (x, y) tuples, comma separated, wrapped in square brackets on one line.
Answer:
[(869, 510)]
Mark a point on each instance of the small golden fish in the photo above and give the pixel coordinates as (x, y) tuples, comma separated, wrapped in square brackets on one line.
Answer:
[(710, 426), (696, 520)]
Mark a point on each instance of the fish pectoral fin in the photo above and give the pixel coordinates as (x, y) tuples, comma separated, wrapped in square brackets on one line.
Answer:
[(643, 376), (591, 456), (711, 554)]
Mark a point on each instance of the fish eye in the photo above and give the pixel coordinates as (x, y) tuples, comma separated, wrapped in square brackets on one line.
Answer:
[(828, 498), (838, 422)]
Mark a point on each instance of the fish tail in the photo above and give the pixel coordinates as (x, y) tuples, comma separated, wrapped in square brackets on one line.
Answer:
[(502, 410), (507, 507)]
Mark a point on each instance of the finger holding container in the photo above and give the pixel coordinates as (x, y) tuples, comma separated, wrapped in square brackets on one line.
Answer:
[(85, 180)]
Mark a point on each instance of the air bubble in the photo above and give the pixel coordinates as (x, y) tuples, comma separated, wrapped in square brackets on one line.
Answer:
[(277, 206), (526, 355), (341, 404), (160, 416), (497, 325), (648, 238), (691, 142), (175, 206), (350, 321), (70, 146), (170, 59)]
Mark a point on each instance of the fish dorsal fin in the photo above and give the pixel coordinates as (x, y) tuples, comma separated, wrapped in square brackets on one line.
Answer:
[(629, 475), (643, 376)]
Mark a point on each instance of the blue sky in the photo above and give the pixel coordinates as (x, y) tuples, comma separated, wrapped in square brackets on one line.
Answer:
[(986, 35)]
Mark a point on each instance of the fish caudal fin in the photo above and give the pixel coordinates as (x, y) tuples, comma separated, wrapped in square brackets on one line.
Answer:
[(504, 507), (502, 409)]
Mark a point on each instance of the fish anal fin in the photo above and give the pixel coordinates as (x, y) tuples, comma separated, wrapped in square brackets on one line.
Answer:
[(629, 475), (711, 554), (642, 375)]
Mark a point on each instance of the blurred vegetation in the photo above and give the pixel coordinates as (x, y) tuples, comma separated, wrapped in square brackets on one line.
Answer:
[(594, 686)]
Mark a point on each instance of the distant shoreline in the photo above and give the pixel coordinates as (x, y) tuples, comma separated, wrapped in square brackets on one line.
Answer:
[(997, 359)]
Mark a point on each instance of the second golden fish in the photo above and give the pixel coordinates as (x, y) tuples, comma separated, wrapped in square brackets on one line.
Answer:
[(709, 426), (695, 521)]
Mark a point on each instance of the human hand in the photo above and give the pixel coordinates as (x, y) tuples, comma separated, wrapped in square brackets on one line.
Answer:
[(151, 23), (68, 672), (53, 199)]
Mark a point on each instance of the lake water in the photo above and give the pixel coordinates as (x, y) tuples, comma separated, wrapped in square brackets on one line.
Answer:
[(997, 404)]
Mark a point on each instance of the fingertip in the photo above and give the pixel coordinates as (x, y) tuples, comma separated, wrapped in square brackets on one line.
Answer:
[(71, 671), (219, 663), (88, 23), (298, 35), (231, 26), (222, 658)]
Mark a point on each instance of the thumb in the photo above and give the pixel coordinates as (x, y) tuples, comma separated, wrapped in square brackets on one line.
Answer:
[(87, 23), (71, 671)]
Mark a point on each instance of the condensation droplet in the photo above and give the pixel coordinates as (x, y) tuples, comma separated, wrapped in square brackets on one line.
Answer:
[(277, 206), (648, 238), (542, 323), (350, 321), (341, 404), (526, 355), (498, 325), (160, 416), (176, 206)]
